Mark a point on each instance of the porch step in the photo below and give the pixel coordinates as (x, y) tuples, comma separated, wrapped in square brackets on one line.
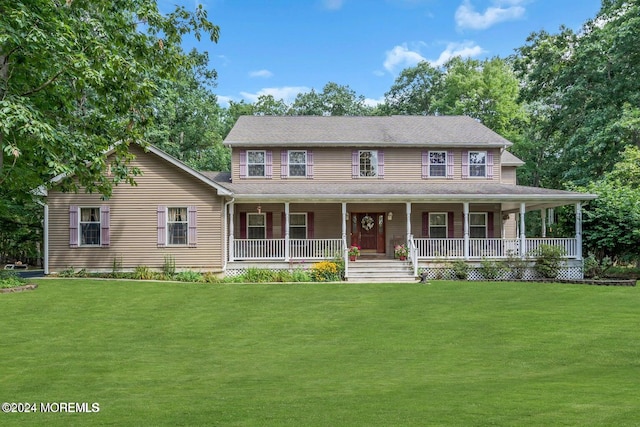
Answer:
[(381, 271)]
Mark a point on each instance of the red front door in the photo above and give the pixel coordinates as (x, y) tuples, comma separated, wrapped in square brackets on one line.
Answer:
[(367, 231)]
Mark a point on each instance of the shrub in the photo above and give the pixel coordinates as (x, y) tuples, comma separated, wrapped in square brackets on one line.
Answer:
[(324, 271), (548, 261), (257, 275), (169, 266), (142, 272), (189, 276), (516, 264), (10, 279), (460, 269), (490, 269)]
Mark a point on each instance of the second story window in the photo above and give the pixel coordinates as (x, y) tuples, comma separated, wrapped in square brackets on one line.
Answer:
[(477, 164), (437, 163), (298, 163), (256, 163), (368, 163)]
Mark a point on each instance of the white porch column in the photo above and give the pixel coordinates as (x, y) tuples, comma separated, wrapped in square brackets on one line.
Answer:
[(408, 204), (523, 237), (287, 252), (345, 247), (543, 215), (231, 228), (579, 230), (465, 222)]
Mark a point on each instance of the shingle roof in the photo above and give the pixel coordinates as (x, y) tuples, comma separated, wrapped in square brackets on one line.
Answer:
[(360, 130), (373, 189)]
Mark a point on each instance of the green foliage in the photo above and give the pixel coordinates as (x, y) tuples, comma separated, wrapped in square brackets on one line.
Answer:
[(582, 92), (325, 271), (516, 265), (169, 266), (189, 276), (548, 260), (142, 272), (78, 76), (460, 269), (491, 269), (595, 268), (10, 279)]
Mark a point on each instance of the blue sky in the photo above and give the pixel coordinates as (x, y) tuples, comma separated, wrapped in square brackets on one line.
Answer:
[(284, 47)]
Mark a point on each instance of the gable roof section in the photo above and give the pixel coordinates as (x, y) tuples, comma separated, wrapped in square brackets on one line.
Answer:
[(370, 131), (222, 191)]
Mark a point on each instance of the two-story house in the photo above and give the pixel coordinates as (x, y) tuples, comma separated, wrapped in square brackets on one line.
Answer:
[(302, 189)]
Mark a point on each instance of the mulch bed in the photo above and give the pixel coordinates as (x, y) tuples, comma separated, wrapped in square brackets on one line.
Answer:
[(29, 287)]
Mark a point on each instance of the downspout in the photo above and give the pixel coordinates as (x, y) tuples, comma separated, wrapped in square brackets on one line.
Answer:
[(226, 229)]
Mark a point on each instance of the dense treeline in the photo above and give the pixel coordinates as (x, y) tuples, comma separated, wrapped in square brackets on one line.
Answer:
[(570, 102)]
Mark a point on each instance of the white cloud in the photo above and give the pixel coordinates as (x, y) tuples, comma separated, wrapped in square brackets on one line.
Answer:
[(286, 93), (464, 50), (467, 17), (261, 73), (401, 57), (332, 4)]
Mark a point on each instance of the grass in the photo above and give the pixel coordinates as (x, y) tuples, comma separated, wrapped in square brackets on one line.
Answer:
[(449, 353)]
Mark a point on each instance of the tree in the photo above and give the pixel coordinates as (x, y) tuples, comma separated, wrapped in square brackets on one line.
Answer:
[(415, 90), (267, 105), (186, 119), (587, 84), (77, 77), (334, 100)]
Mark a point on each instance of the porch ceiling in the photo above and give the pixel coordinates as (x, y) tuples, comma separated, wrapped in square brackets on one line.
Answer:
[(510, 196)]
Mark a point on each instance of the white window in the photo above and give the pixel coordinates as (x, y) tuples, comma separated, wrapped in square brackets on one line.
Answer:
[(89, 226), (256, 226), (298, 225), (177, 226), (478, 225), (478, 164), (368, 163), (438, 225), (298, 163), (256, 163), (437, 163)]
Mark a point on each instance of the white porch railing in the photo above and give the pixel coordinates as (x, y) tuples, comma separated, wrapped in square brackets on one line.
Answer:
[(272, 249), (489, 248)]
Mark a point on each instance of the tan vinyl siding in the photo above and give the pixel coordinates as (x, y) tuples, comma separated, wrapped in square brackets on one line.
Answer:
[(402, 164), (509, 175), (133, 222)]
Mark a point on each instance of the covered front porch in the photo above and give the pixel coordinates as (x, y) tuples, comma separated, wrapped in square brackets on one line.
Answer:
[(286, 233)]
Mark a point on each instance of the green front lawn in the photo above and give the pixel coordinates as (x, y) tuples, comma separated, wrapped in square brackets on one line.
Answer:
[(449, 353)]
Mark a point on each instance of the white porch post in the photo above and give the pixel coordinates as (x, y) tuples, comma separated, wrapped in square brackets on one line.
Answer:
[(287, 253), (523, 237), (231, 228), (465, 222), (578, 231), (345, 249), (408, 204), (544, 222)]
